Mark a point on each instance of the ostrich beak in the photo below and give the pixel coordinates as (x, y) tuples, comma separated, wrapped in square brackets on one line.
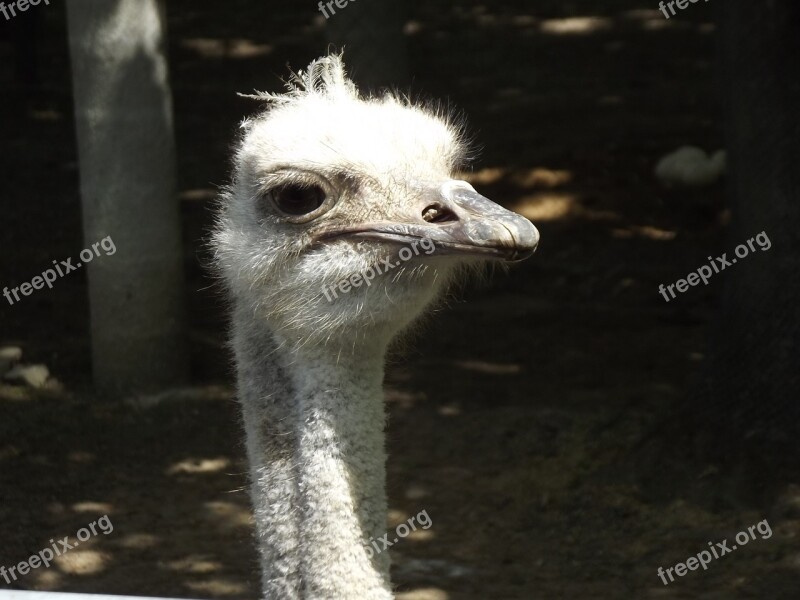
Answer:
[(458, 220)]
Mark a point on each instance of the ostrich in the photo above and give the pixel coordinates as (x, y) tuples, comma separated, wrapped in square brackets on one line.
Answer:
[(327, 184)]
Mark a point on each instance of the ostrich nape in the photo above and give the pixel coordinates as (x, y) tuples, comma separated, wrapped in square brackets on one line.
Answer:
[(326, 186)]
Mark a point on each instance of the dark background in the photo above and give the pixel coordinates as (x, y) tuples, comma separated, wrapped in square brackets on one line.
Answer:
[(518, 415)]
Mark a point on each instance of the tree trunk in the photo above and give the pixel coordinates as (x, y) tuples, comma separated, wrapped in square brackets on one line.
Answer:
[(123, 114)]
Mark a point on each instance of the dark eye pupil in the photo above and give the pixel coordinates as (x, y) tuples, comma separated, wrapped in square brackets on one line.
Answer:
[(298, 200)]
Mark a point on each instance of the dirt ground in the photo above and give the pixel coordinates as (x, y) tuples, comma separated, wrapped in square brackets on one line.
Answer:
[(514, 414)]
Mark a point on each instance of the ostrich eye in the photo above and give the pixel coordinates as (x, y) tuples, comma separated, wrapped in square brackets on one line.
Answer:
[(297, 200)]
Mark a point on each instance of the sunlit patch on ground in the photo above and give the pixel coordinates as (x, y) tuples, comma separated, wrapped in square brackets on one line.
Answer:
[(218, 587), (81, 457), (487, 367), (139, 541), (424, 594), (83, 562), (229, 514), (645, 231), (537, 177), (575, 25), (49, 580), (227, 48), (196, 565), (100, 508), (549, 206), (199, 465)]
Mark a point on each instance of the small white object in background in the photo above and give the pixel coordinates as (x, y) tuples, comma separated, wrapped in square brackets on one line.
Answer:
[(34, 376), (9, 355), (690, 166)]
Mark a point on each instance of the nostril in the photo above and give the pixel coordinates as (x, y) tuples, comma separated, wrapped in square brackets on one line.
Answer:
[(435, 213)]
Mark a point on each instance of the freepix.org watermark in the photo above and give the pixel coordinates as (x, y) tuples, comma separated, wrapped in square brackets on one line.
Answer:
[(46, 556), (718, 549), (329, 4), (367, 275), (401, 531), (681, 4), (49, 276), (720, 263), (19, 5)]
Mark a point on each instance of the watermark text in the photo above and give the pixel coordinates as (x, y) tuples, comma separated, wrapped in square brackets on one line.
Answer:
[(367, 275), (19, 5), (47, 555), (717, 550), (49, 276), (376, 546), (718, 264)]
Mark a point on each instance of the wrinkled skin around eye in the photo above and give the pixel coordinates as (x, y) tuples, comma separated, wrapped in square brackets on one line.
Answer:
[(297, 200)]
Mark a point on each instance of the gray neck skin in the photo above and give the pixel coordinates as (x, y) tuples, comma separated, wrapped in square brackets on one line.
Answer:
[(314, 423)]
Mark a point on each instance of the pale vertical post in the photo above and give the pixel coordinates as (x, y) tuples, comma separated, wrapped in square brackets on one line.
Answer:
[(126, 149)]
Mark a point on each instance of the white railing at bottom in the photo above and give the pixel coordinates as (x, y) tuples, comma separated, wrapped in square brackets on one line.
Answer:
[(19, 595)]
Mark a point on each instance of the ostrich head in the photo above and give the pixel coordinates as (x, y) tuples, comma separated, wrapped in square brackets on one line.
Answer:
[(328, 185)]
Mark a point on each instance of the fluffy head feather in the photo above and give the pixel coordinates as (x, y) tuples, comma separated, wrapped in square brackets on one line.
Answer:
[(374, 156)]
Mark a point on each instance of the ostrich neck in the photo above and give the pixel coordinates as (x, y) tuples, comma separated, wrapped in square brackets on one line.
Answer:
[(314, 421)]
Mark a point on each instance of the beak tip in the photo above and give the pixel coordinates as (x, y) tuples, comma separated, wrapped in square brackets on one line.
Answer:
[(526, 240)]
